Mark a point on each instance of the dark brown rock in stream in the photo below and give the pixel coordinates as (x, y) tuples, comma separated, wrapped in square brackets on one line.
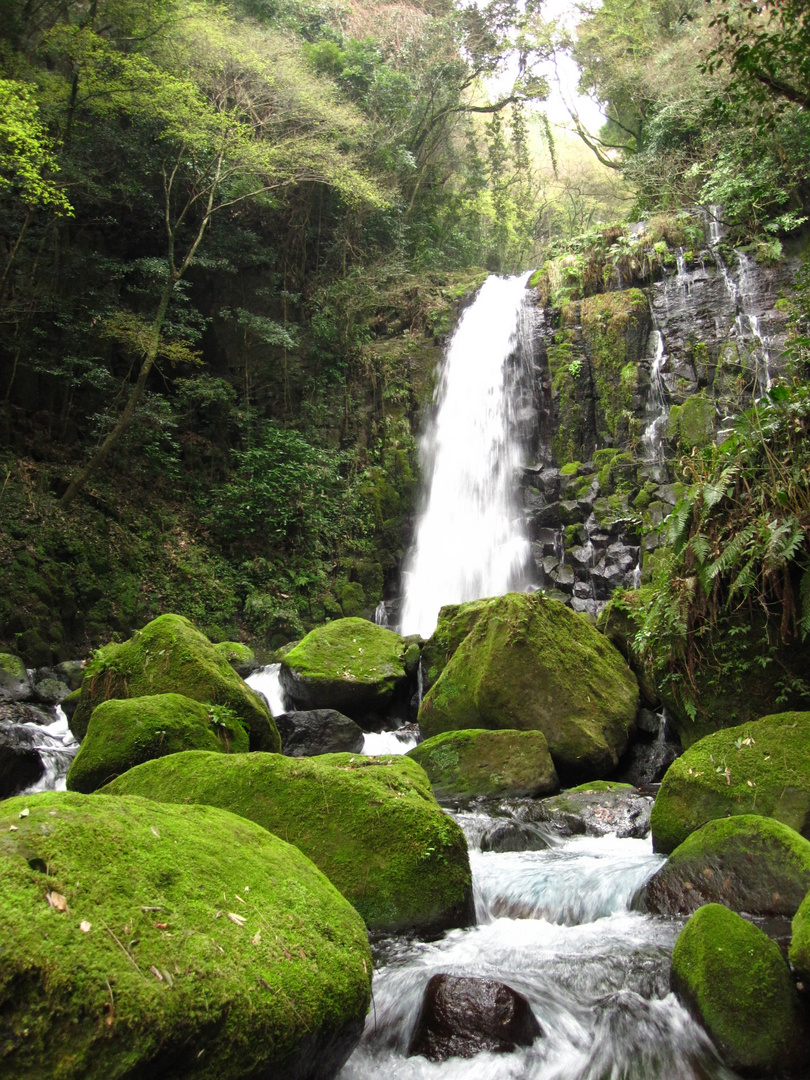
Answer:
[(462, 1017)]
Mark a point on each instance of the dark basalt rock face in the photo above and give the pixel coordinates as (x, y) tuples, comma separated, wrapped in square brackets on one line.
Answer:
[(20, 763), (318, 731), (463, 1016)]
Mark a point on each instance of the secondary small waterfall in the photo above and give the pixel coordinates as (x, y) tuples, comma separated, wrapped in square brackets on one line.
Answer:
[(470, 541)]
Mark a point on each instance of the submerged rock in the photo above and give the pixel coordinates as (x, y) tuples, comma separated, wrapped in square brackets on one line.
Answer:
[(733, 978), (618, 810), (747, 863), (170, 656), (14, 682), (350, 665), (496, 764), (134, 965), (371, 825), (20, 762), (318, 731), (122, 734), (463, 1016), (529, 663), (762, 767)]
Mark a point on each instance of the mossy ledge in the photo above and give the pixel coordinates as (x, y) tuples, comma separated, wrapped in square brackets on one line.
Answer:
[(170, 656), (371, 825), (125, 733), (138, 969)]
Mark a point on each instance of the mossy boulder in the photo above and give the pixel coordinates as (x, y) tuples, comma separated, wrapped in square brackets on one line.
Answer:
[(757, 768), (733, 978), (692, 424), (350, 665), (747, 863), (600, 785), (455, 622), (371, 825), (125, 733), (170, 656), (142, 940), (496, 764), (241, 657), (531, 664), (14, 681), (799, 951)]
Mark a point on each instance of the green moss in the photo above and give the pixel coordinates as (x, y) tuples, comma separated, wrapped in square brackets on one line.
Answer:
[(455, 622), (762, 767), (572, 438), (235, 653), (692, 423), (170, 656), (122, 734), (350, 664), (496, 764), (615, 326), (163, 974), (601, 785), (529, 663), (371, 825), (734, 977), (618, 474), (747, 863), (571, 468), (12, 666), (799, 951), (352, 600)]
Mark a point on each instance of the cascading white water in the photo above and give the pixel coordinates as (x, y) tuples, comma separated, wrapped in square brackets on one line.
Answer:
[(56, 747), (267, 682), (596, 974), (470, 541), (657, 411)]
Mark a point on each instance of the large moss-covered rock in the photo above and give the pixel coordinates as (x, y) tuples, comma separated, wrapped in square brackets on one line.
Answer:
[(142, 940), (747, 863), (241, 657), (351, 665), (734, 979), (125, 733), (757, 768), (531, 664), (170, 656), (455, 622), (799, 952), (371, 825), (497, 764)]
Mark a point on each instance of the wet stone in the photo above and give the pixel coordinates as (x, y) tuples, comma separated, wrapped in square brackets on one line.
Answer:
[(318, 731), (463, 1016), (20, 762), (622, 813)]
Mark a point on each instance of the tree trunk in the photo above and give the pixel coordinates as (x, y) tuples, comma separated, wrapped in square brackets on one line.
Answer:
[(136, 393)]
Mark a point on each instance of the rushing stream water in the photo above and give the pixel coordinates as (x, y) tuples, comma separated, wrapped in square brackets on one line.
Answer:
[(595, 973)]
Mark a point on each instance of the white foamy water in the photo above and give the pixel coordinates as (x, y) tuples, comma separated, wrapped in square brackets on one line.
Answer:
[(379, 743), (470, 540), (56, 747), (267, 682), (598, 982)]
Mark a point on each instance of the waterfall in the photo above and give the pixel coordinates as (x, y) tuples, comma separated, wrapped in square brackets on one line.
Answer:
[(470, 540), (657, 411), (267, 682)]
